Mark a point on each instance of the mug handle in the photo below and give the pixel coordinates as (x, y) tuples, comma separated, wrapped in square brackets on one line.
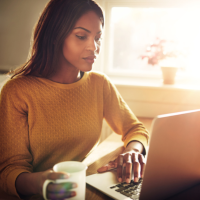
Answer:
[(44, 188)]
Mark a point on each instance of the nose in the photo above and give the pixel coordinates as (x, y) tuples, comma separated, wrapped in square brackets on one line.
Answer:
[(93, 46)]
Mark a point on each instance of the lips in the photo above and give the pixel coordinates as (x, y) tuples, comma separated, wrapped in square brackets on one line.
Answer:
[(90, 59)]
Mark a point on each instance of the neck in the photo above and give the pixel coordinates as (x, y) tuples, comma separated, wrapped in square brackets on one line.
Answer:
[(66, 77)]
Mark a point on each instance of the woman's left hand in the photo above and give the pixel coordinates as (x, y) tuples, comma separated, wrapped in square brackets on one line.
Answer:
[(131, 160)]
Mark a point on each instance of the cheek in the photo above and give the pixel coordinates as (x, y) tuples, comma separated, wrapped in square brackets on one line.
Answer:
[(71, 51)]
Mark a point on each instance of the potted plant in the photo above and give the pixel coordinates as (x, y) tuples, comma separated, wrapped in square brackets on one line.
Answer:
[(163, 53)]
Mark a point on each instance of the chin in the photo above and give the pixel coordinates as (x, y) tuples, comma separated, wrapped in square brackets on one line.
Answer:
[(86, 69)]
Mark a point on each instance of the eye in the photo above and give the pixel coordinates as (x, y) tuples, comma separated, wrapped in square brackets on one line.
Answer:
[(81, 37), (98, 39)]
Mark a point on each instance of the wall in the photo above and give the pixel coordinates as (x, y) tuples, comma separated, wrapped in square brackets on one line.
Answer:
[(153, 101), (17, 19)]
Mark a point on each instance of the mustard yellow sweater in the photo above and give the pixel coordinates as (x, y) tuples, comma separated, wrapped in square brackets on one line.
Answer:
[(44, 122)]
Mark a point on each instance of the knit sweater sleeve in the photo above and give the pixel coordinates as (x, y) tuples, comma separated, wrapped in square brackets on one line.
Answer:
[(120, 117), (14, 149)]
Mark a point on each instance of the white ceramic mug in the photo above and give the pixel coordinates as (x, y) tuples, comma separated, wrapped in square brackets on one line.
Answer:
[(77, 171)]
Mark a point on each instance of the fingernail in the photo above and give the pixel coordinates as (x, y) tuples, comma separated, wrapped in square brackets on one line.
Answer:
[(120, 180), (73, 194), (136, 179), (102, 169), (128, 180), (74, 185), (64, 176)]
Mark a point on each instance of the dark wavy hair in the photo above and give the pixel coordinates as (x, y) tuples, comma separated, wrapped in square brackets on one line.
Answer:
[(55, 23)]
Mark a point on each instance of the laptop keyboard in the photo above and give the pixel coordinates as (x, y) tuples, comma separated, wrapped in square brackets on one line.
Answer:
[(131, 190)]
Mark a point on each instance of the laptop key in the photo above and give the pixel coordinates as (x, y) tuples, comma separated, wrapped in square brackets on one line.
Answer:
[(126, 194), (113, 187), (120, 189), (120, 185), (133, 187), (131, 190), (134, 192), (135, 197)]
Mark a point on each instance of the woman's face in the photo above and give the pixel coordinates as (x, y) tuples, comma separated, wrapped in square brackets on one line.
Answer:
[(82, 45)]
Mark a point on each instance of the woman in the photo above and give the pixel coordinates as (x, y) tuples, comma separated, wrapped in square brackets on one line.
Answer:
[(53, 106)]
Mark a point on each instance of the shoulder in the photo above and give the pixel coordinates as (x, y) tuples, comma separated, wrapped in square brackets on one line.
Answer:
[(99, 76), (16, 82), (102, 80), (18, 85)]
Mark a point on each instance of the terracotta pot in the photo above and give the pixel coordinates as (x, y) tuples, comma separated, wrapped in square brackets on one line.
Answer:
[(169, 74)]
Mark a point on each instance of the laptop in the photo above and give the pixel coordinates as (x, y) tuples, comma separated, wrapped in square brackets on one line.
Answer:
[(173, 161)]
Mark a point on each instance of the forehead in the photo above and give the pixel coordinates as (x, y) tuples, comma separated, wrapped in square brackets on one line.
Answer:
[(90, 21)]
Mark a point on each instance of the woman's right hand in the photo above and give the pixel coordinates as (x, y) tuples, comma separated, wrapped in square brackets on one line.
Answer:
[(32, 183)]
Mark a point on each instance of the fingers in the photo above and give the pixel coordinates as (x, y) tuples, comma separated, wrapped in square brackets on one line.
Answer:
[(61, 195), (120, 161), (61, 191), (133, 163), (59, 187), (142, 162), (57, 175), (110, 165), (136, 166), (139, 163), (128, 165)]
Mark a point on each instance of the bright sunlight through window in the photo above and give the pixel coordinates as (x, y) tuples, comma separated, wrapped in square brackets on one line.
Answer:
[(133, 30)]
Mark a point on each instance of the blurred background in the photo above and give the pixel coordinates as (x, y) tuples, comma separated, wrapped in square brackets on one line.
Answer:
[(138, 35), (17, 19)]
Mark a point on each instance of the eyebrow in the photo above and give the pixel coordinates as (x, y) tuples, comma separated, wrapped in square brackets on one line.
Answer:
[(86, 30)]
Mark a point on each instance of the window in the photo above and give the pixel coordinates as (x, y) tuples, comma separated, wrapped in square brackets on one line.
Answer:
[(131, 26)]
